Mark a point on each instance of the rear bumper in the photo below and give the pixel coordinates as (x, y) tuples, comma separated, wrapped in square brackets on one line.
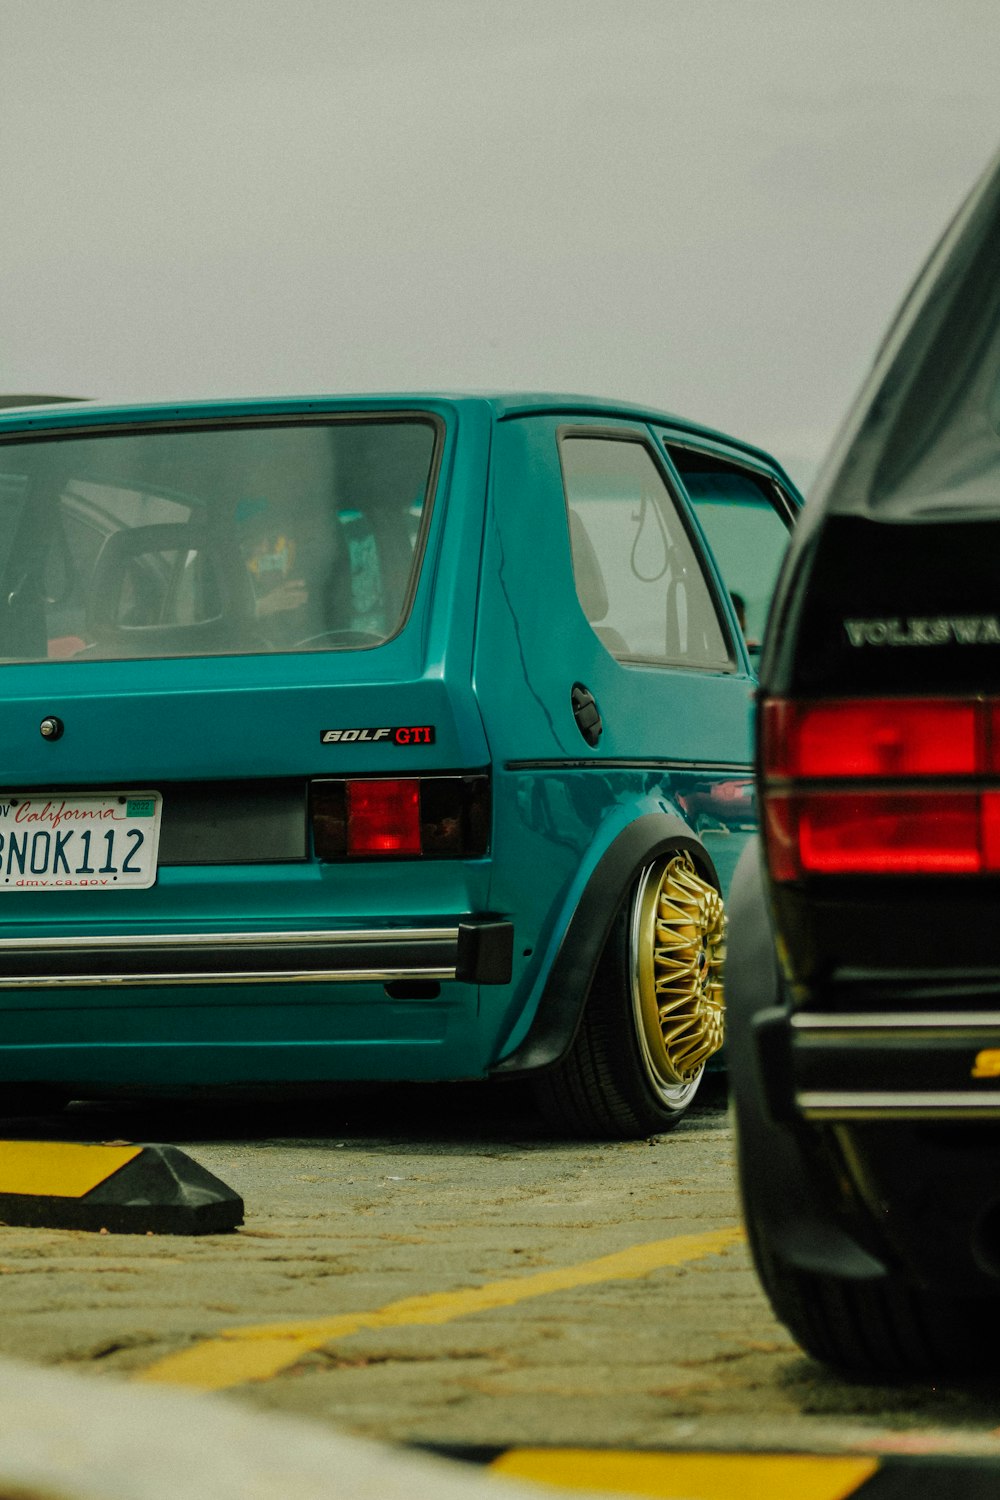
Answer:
[(894, 1010), (916, 1065), (853, 1165), (475, 950), (893, 1141)]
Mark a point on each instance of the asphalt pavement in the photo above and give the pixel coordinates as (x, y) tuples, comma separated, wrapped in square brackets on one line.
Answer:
[(428, 1271)]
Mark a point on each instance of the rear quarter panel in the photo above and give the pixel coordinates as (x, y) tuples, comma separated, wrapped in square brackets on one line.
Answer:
[(671, 738)]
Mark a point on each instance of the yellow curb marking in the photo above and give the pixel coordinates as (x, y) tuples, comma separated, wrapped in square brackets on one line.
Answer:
[(237, 1355), (696, 1476), (59, 1169)]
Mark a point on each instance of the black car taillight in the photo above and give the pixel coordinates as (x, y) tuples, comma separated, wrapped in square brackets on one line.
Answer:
[(362, 817), (881, 786)]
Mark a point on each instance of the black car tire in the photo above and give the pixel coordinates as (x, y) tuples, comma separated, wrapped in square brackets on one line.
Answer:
[(881, 1328), (614, 1083)]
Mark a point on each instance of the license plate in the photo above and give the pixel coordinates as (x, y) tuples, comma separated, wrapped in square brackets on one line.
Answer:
[(100, 842)]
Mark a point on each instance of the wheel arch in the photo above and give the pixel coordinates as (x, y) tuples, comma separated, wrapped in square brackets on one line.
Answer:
[(559, 1010)]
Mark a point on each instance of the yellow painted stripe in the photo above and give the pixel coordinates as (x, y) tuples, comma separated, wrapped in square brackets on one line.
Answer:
[(237, 1355), (59, 1169), (695, 1476)]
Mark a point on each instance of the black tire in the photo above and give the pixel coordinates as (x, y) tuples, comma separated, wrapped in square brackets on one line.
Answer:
[(836, 1290), (614, 1083), (878, 1329)]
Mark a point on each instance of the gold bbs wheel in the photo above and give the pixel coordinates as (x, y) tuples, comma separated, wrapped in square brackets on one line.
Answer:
[(677, 945)]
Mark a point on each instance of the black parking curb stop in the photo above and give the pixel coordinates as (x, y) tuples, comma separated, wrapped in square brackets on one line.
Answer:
[(124, 1189)]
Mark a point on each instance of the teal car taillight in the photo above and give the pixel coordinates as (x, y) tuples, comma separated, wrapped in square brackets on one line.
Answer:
[(444, 817)]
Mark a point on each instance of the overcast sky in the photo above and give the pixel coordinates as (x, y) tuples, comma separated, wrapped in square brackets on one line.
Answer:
[(710, 205)]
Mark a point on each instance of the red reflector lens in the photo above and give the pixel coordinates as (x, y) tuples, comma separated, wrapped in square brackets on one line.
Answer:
[(873, 737), (879, 833), (781, 837), (383, 817), (989, 804)]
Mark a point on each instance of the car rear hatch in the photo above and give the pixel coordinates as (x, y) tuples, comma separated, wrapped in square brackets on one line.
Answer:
[(240, 740)]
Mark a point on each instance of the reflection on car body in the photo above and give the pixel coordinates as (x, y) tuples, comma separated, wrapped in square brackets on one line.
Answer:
[(864, 1068), (729, 804), (388, 730)]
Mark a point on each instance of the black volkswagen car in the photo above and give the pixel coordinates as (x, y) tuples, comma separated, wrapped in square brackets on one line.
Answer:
[(864, 982)]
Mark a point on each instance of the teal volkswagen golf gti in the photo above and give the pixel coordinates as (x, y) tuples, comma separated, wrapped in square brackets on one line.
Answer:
[(375, 739)]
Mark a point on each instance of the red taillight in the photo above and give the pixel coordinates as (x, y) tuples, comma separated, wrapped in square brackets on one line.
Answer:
[(383, 817), (439, 816), (874, 737), (890, 821), (874, 833)]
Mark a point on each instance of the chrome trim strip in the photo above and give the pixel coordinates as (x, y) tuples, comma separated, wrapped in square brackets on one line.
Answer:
[(263, 976), (332, 939), (868, 1106), (971, 1020), (731, 769)]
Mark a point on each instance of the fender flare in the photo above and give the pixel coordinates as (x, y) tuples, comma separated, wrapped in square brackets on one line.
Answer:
[(560, 1007)]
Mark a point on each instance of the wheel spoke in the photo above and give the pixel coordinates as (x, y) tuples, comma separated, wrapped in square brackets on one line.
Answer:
[(680, 945)]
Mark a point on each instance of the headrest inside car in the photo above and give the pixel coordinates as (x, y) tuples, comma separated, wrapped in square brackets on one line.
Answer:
[(590, 588)]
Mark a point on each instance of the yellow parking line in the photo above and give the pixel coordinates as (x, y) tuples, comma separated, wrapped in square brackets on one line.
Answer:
[(696, 1476), (237, 1355)]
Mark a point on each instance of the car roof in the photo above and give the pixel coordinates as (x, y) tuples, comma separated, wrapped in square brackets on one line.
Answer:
[(21, 414), (922, 439)]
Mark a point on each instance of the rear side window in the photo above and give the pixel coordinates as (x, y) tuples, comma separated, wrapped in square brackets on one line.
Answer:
[(212, 541), (639, 577), (746, 521)]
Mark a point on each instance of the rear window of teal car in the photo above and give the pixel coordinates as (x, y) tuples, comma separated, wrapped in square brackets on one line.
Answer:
[(204, 540)]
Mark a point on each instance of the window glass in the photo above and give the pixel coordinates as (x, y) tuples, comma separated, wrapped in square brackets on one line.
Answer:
[(746, 530), (638, 576), (211, 540)]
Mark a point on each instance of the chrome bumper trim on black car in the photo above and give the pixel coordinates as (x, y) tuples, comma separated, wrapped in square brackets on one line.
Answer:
[(919, 1023), (901, 1106), (473, 952), (908, 1065)]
